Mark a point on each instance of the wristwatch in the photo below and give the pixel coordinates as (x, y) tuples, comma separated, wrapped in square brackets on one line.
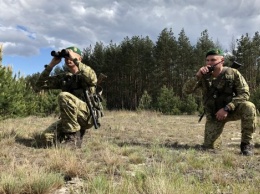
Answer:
[(226, 108)]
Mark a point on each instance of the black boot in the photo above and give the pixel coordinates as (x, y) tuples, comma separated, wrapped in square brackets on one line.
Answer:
[(82, 133), (246, 149), (73, 139), (59, 137)]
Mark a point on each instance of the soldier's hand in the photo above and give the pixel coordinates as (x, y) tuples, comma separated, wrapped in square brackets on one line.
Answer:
[(221, 114), (202, 71), (55, 61), (73, 55)]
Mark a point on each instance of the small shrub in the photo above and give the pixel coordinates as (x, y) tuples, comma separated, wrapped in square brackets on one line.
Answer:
[(189, 105), (167, 102), (145, 101)]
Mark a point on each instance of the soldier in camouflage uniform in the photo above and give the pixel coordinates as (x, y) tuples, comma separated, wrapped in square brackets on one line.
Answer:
[(225, 97), (75, 116)]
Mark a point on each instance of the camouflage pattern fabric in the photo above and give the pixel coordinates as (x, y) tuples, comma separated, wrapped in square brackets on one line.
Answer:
[(52, 133), (190, 86), (74, 113), (231, 89), (46, 81), (245, 111), (229, 85)]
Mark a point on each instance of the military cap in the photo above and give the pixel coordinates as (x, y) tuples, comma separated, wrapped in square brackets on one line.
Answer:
[(215, 52), (75, 50)]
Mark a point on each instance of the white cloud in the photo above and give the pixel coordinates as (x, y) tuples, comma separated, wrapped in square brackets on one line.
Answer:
[(28, 25)]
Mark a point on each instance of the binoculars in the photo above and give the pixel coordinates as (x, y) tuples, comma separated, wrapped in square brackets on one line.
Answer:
[(63, 53)]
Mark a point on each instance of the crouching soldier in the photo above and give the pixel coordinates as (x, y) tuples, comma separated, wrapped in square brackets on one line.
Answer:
[(225, 97), (75, 115)]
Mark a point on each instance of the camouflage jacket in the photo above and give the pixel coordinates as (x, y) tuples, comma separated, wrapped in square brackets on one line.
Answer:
[(74, 83), (229, 88)]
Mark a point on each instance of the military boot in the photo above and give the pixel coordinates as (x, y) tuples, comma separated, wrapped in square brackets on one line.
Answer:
[(59, 138), (73, 140), (82, 133), (246, 149)]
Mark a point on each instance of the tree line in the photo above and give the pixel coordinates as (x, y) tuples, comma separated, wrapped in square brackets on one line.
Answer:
[(141, 74)]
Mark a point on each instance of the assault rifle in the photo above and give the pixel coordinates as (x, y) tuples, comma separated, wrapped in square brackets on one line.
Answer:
[(94, 101), (91, 107)]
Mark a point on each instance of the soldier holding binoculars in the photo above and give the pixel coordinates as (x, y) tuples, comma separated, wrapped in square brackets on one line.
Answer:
[(75, 115)]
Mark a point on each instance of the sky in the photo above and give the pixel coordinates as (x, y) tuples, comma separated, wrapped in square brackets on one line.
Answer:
[(30, 29)]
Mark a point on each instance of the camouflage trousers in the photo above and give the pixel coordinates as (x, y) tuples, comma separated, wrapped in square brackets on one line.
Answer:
[(74, 116), (245, 111)]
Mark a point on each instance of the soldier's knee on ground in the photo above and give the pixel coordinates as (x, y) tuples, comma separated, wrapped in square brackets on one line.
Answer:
[(209, 144), (49, 138)]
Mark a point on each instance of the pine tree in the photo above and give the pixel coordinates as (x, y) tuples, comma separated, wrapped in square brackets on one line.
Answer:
[(165, 54), (203, 45), (113, 85), (136, 61), (1, 54), (185, 67), (256, 56), (244, 56)]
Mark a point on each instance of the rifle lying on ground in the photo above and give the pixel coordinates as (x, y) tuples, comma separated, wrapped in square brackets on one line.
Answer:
[(94, 102)]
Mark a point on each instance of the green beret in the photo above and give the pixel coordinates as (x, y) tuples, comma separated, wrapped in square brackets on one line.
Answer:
[(75, 49), (215, 52)]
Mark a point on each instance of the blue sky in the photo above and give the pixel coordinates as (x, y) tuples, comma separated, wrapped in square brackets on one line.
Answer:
[(28, 65), (30, 29)]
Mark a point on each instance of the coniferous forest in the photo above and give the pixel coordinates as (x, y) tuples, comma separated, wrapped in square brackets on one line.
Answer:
[(141, 74)]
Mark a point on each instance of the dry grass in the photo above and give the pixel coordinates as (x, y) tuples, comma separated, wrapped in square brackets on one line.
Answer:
[(133, 152)]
